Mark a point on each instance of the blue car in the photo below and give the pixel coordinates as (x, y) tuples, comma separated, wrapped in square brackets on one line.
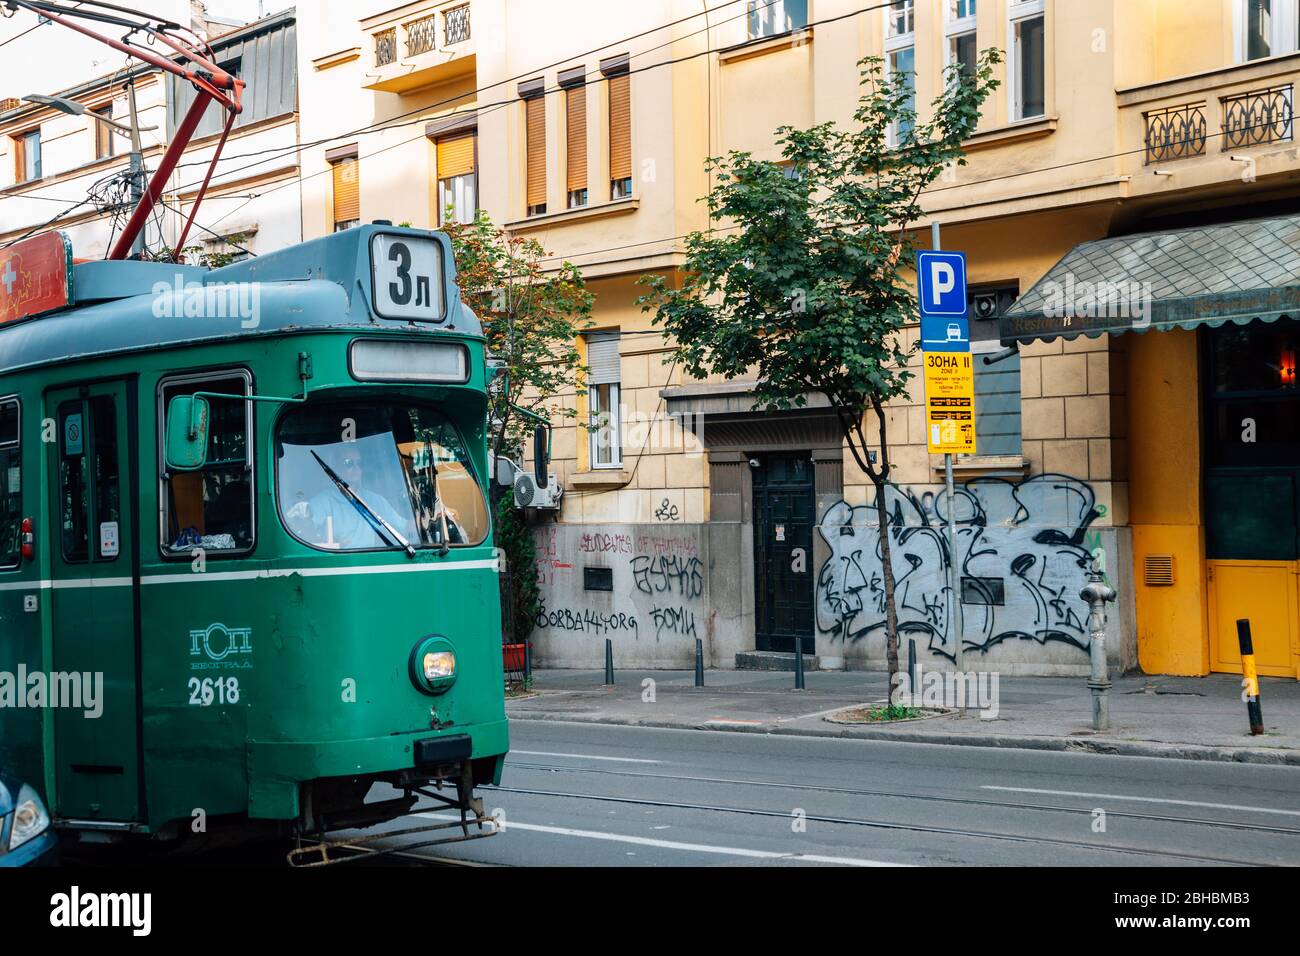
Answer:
[(26, 838)]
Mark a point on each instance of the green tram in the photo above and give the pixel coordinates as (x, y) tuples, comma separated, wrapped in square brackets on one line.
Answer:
[(251, 503)]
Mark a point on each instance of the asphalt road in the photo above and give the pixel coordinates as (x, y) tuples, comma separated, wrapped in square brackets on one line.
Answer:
[(593, 795)]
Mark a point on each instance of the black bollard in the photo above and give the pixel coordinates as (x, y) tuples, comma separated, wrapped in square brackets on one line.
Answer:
[(1249, 677), (798, 663), (911, 674), (609, 662), (699, 663)]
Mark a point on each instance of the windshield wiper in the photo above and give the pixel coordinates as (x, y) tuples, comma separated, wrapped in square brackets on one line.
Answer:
[(365, 509), (438, 505)]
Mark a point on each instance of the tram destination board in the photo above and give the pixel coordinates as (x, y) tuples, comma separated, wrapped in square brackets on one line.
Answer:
[(35, 276), (950, 403), (408, 277)]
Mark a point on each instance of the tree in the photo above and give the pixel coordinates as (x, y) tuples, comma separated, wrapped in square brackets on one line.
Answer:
[(531, 319), (805, 284)]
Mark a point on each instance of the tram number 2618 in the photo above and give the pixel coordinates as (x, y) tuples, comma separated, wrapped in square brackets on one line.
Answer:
[(209, 691)]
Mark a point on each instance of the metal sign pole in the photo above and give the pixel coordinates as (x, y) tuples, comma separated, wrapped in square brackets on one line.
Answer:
[(954, 608)]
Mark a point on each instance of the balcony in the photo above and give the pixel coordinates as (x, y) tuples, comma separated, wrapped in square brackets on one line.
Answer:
[(1257, 117), (1175, 132), (419, 45), (1209, 130)]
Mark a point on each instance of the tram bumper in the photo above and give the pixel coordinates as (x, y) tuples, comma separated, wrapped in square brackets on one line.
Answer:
[(277, 769)]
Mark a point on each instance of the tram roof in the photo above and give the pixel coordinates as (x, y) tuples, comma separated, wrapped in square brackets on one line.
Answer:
[(124, 307)]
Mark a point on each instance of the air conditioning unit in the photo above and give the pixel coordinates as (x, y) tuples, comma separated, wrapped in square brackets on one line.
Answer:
[(529, 494)]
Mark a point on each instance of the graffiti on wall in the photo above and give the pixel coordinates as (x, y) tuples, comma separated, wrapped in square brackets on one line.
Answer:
[(658, 583), (1023, 552)]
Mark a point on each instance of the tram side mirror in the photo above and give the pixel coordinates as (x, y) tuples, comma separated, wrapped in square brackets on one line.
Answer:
[(188, 422)]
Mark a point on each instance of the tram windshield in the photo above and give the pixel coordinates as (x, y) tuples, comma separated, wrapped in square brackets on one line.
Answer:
[(364, 478)]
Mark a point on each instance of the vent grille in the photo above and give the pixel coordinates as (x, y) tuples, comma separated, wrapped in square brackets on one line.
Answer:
[(1158, 570)]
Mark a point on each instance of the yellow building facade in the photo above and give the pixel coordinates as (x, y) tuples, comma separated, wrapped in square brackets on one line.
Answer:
[(689, 515)]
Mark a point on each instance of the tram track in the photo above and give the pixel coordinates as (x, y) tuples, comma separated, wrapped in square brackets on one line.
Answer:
[(904, 795), (897, 826)]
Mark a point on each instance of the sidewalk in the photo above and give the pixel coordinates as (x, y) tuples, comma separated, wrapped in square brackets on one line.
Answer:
[(1198, 718)]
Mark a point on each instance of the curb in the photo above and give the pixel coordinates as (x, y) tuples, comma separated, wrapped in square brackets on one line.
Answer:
[(1109, 747)]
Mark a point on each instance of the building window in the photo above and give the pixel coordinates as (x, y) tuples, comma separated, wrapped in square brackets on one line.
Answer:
[(11, 484), (900, 19), (606, 425), (1253, 386), (211, 508), (27, 152), (105, 136), (959, 31), (575, 112), (997, 374), (900, 55), (771, 18), (229, 249), (619, 80), (535, 146), (1027, 68), (1265, 28), (458, 178), (347, 190)]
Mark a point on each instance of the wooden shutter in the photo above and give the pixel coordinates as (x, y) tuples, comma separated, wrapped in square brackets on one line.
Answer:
[(456, 156), (603, 359), (620, 127), (576, 101), (347, 192), (536, 148)]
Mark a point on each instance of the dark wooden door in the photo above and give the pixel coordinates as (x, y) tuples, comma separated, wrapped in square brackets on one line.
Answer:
[(784, 506)]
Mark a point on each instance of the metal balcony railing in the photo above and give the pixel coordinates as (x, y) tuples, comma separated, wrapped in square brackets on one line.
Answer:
[(456, 24), (1175, 132), (1257, 117), (386, 47), (421, 35)]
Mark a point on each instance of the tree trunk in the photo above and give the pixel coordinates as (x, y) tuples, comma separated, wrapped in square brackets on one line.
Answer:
[(887, 572)]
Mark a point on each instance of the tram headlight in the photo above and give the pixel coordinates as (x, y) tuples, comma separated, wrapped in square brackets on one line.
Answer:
[(30, 818), (433, 665)]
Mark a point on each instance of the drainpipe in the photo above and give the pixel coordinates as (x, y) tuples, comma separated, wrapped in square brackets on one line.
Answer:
[(1097, 593)]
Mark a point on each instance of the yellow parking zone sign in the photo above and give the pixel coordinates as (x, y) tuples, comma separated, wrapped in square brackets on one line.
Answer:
[(950, 403)]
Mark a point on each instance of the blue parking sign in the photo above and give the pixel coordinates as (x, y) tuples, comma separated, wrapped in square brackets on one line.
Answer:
[(941, 278), (941, 294)]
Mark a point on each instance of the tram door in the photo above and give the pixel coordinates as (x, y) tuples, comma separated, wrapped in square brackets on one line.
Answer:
[(94, 495)]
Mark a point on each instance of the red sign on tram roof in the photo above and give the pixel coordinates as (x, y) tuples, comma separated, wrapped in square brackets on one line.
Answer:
[(35, 276)]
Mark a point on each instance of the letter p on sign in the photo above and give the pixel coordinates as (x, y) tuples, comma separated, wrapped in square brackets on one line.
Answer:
[(941, 277)]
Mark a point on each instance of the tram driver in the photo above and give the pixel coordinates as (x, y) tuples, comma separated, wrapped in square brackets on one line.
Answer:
[(335, 521)]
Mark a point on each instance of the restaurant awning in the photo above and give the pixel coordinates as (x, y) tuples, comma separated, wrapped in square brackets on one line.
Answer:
[(1208, 275)]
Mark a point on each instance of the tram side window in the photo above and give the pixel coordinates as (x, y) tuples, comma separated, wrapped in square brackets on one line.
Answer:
[(212, 508), (11, 498), (88, 472)]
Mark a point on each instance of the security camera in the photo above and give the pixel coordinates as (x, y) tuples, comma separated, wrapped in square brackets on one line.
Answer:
[(753, 463)]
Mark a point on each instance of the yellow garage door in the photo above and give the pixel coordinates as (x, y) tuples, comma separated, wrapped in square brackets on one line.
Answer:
[(1267, 593)]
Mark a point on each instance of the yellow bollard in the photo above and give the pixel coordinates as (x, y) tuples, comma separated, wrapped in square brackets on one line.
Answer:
[(1249, 679)]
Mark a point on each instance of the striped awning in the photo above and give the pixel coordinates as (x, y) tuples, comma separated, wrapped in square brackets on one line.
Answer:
[(1232, 272)]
